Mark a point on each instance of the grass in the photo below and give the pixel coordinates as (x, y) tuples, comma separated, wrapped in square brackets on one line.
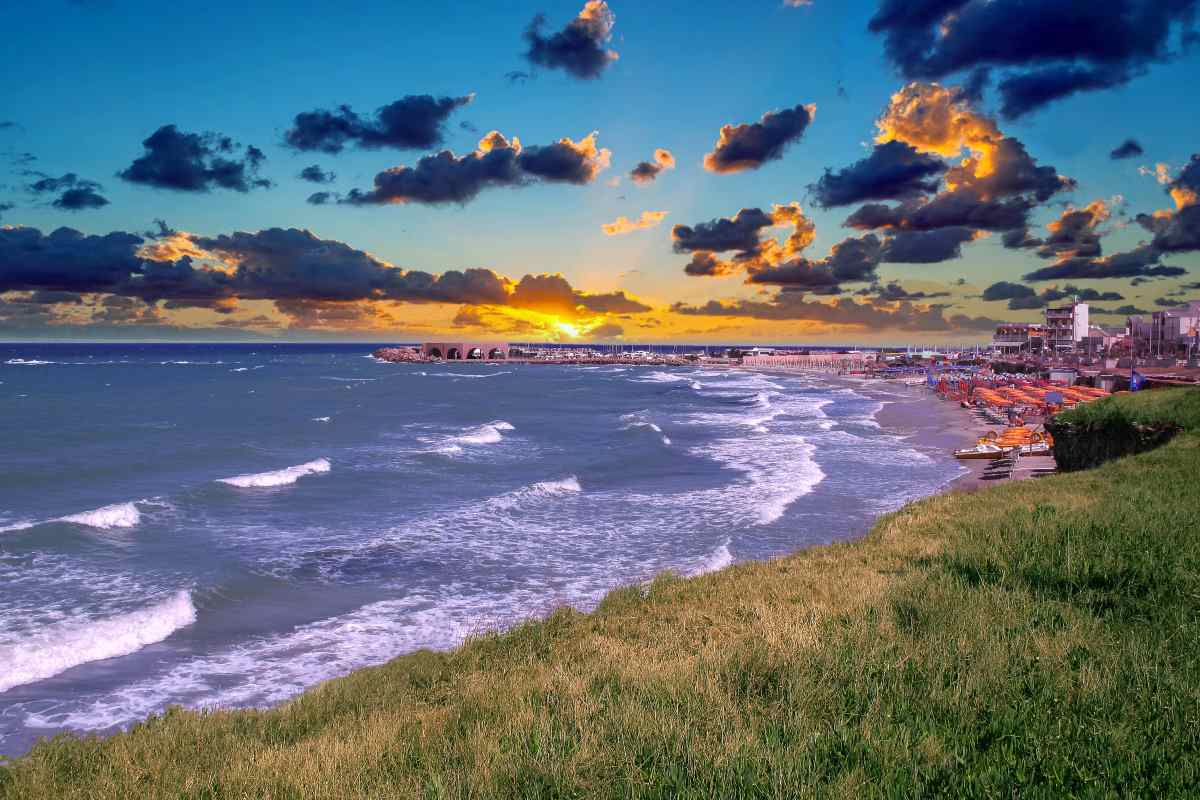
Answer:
[(1036, 639)]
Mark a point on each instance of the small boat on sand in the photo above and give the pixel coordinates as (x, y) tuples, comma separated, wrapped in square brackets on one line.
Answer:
[(1019, 440)]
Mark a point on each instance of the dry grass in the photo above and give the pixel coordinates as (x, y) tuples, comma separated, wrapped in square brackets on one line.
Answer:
[(1034, 639)]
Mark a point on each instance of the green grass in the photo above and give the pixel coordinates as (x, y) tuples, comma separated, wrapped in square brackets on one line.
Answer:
[(1037, 639)]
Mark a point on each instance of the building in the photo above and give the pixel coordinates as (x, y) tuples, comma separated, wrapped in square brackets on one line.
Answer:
[(1018, 339), (1066, 328), (1172, 333), (467, 351)]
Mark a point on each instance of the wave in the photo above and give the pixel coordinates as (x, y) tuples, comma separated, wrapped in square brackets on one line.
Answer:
[(30, 362), (537, 492), (280, 477), (718, 559), (490, 433), (347, 380), (658, 376), (118, 515), (466, 374), (57, 648), (638, 419), (321, 419)]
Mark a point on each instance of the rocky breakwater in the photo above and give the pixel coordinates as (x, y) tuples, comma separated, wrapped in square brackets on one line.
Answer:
[(398, 355)]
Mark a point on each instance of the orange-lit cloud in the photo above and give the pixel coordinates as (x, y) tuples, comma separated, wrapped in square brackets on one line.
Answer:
[(623, 225), (646, 171)]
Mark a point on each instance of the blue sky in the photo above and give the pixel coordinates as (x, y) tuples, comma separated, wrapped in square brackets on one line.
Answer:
[(86, 82)]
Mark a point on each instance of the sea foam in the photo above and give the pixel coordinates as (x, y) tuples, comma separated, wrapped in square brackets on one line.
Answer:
[(118, 515), (281, 477), (57, 648)]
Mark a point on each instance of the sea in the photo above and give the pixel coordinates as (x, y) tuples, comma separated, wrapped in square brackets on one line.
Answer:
[(226, 525)]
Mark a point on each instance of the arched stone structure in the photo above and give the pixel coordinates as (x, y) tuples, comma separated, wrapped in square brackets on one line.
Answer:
[(468, 350)]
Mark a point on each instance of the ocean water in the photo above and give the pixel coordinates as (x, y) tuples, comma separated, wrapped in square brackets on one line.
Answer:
[(226, 525)]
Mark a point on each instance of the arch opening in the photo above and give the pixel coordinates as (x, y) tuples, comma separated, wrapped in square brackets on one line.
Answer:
[(496, 354), (435, 352), (453, 354), (475, 353)]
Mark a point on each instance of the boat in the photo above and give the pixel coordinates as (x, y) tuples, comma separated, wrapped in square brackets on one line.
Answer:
[(1019, 440)]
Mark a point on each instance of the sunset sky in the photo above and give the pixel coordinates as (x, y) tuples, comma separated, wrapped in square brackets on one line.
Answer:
[(892, 170)]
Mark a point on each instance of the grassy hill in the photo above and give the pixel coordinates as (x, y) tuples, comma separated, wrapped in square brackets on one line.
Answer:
[(1036, 639)]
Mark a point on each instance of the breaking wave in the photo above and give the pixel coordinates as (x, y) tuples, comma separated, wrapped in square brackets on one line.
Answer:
[(280, 477), (118, 515), (718, 559), (57, 648), (542, 490)]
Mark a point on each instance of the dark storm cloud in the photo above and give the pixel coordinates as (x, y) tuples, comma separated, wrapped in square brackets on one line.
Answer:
[(579, 48), (314, 174), (926, 247), (195, 162), (1050, 48), (1178, 231), (894, 293), (1140, 262), (740, 232), (963, 208), (1020, 238), (1014, 172), (749, 146), (893, 171), (1021, 297), (1127, 149), (792, 306), (6, 207), (66, 260), (322, 198), (447, 178), (849, 261), (1075, 233), (1029, 91), (647, 171), (77, 194), (415, 122)]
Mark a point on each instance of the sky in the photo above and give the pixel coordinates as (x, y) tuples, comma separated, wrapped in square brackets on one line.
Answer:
[(829, 171)]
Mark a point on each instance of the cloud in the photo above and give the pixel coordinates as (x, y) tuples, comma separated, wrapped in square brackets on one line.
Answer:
[(1075, 234), (1142, 261), (77, 194), (322, 198), (868, 316), (893, 292), (926, 247), (580, 48), (646, 171), (414, 122), (314, 174), (623, 225), (1022, 297), (447, 178), (1050, 49), (993, 188), (893, 171), (1127, 149), (6, 207), (1178, 230), (740, 232), (609, 330), (554, 294), (316, 282), (849, 261), (194, 162), (749, 146)]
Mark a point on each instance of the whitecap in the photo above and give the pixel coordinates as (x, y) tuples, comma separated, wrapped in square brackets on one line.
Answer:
[(27, 362), (466, 374), (718, 559), (321, 419), (280, 477), (537, 492), (118, 515), (59, 647)]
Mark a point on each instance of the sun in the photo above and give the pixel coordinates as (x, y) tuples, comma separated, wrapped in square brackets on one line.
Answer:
[(567, 328)]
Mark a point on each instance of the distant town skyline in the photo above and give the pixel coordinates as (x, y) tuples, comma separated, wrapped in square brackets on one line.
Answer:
[(862, 172)]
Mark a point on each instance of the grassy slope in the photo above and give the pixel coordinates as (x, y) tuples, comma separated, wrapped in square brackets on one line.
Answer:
[(1035, 639)]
